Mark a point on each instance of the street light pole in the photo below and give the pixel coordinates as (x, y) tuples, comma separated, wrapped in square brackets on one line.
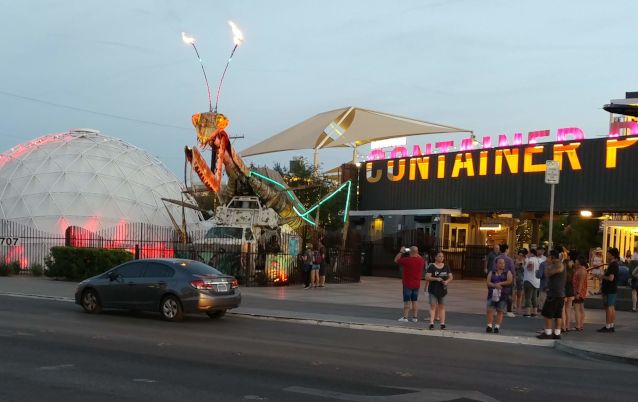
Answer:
[(552, 176)]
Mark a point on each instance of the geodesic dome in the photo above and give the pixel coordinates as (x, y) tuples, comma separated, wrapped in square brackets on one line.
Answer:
[(82, 178)]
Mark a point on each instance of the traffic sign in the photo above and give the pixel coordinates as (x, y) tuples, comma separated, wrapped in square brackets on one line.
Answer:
[(552, 172)]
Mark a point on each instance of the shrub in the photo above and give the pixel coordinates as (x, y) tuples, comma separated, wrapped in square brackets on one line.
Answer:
[(15, 267), (5, 270), (37, 269), (80, 263)]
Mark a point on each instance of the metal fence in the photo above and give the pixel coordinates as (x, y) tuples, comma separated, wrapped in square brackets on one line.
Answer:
[(256, 259), (465, 261)]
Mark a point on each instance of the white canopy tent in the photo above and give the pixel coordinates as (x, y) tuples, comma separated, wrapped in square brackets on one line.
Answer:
[(346, 127)]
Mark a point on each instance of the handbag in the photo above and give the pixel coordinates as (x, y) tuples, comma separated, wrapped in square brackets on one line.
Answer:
[(438, 290), (496, 295)]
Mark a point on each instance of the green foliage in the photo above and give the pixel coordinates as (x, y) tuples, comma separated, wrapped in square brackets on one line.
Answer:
[(80, 263), (524, 233), (5, 269), (37, 269), (310, 188), (15, 267), (574, 233)]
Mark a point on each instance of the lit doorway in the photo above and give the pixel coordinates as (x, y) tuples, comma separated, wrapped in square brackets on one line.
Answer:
[(454, 235)]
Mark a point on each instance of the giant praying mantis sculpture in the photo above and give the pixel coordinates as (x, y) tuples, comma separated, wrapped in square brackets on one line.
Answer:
[(211, 133)]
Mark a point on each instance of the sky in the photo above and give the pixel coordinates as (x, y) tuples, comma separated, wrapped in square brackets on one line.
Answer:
[(491, 66)]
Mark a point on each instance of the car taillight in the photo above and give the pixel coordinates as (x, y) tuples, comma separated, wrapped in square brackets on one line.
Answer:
[(200, 284), (234, 284)]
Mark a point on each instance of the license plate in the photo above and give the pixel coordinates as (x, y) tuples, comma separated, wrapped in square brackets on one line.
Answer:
[(222, 287)]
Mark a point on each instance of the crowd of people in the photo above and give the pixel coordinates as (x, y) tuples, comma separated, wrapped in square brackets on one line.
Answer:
[(532, 283)]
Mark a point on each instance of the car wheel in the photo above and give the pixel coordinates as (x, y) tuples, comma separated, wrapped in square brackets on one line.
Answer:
[(91, 302), (171, 309), (216, 314)]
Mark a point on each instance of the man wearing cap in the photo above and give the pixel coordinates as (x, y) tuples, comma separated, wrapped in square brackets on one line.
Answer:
[(609, 288)]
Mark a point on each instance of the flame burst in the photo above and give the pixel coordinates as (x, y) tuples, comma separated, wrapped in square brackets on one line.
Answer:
[(238, 37), (189, 40)]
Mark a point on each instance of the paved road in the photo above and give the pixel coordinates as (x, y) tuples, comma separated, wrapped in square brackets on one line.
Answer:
[(52, 351)]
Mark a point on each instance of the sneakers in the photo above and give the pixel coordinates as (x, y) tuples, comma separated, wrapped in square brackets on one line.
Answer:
[(545, 336), (496, 330), (414, 319), (431, 326), (488, 330), (442, 326), (605, 329), (402, 319), (555, 336), (307, 287), (510, 314), (526, 315)]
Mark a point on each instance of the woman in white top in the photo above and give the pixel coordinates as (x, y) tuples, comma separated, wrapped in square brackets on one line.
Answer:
[(596, 262)]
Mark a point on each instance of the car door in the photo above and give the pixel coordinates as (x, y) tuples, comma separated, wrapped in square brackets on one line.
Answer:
[(152, 285), (120, 291)]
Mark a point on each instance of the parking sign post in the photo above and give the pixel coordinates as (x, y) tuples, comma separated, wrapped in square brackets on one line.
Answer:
[(552, 176)]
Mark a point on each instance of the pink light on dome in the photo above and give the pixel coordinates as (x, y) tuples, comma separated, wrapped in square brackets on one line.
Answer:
[(91, 224), (22, 149)]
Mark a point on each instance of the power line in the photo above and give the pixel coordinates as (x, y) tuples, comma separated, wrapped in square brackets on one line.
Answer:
[(78, 109)]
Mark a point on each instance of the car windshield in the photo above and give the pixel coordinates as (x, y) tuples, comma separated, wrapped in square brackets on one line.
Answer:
[(198, 268), (220, 232)]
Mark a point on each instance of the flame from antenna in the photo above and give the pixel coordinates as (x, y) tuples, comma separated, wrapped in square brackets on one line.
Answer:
[(189, 40), (238, 37)]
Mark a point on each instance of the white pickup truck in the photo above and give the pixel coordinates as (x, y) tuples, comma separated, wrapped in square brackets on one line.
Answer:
[(247, 238)]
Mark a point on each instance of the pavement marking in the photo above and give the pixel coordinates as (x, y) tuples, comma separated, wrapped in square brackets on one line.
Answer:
[(38, 297), (255, 398), (521, 340), (144, 380), (58, 367), (421, 395)]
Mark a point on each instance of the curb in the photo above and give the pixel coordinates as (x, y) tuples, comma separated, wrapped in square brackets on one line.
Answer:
[(582, 352), (473, 336)]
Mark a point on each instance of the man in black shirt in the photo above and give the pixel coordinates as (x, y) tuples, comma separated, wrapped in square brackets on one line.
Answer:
[(553, 307), (609, 289)]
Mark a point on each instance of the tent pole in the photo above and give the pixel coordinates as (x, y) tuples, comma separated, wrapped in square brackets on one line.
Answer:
[(315, 162)]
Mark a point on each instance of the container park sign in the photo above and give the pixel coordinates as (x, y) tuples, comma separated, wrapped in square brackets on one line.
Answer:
[(594, 173), (468, 144)]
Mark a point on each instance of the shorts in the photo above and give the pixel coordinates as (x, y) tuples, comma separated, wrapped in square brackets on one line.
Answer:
[(315, 267), (609, 299), (436, 300), (518, 284), (578, 300), (531, 295), (410, 294), (500, 306), (323, 267), (553, 307)]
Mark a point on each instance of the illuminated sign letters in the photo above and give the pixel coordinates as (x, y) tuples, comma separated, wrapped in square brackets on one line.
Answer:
[(512, 161)]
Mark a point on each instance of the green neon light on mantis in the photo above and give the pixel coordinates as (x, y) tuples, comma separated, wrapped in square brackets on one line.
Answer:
[(305, 214)]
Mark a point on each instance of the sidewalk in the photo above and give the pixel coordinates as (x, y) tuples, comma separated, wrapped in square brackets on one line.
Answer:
[(375, 304)]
